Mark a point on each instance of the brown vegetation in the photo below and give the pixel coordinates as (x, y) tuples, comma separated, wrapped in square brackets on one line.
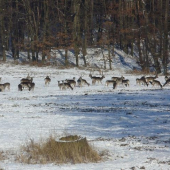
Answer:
[(71, 149)]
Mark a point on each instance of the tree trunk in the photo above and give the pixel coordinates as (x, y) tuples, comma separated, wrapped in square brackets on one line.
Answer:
[(76, 30), (109, 56), (165, 41), (66, 57)]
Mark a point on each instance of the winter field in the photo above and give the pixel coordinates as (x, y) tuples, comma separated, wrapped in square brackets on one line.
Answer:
[(129, 125)]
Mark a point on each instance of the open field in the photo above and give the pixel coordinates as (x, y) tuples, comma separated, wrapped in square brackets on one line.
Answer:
[(130, 126)]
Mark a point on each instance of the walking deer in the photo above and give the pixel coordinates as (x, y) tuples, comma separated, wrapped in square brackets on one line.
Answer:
[(167, 82), (157, 83), (150, 79)]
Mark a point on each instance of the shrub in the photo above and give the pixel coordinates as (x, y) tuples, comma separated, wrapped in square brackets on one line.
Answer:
[(71, 149)]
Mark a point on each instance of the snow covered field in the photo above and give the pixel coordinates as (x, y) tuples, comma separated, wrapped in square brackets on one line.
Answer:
[(131, 125)]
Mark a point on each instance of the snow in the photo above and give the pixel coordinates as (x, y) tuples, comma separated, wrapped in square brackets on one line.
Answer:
[(131, 125)]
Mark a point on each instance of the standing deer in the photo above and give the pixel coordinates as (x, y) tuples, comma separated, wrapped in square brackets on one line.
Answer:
[(142, 81), (7, 86), (26, 80), (32, 86), (47, 80), (72, 82), (96, 79), (125, 82), (19, 87), (64, 85), (109, 82), (118, 78), (82, 82), (61, 85), (2, 87)]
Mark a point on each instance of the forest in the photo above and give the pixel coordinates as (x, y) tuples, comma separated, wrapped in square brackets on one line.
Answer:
[(38, 26)]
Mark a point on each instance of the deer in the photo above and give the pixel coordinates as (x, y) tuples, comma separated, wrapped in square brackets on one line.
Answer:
[(64, 85), (47, 80), (141, 80), (72, 82), (19, 87), (68, 86), (24, 85), (125, 82), (61, 85), (166, 78), (2, 87), (7, 86), (150, 79), (32, 86), (108, 82), (115, 85), (118, 78), (156, 82), (96, 79), (82, 82), (167, 82), (26, 80)]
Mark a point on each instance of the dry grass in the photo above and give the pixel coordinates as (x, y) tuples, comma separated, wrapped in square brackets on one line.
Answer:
[(2, 156), (72, 150)]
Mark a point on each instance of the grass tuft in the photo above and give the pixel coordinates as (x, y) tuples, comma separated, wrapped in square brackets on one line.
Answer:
[(70, 149)]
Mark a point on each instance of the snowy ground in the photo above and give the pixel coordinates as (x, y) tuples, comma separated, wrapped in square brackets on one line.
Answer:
[(131, 125)]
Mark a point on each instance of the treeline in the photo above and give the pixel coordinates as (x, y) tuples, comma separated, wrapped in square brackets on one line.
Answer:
[(37, 26)]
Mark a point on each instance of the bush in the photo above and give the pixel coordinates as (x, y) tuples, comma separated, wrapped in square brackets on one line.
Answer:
[(70, 149)]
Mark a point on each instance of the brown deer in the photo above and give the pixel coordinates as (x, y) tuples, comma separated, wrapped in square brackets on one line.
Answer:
[(141, 81), (125, 82), (7, 86), (109, 82), (150, 79), (47, 80), (118, 78), (61, 85), (82, 82), (157, 83), (96, 79), (25, 85), (19, 87), (2, 87), (72, 82)]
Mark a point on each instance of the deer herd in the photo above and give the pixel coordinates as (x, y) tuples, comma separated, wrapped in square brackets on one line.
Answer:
[(27, 83)]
